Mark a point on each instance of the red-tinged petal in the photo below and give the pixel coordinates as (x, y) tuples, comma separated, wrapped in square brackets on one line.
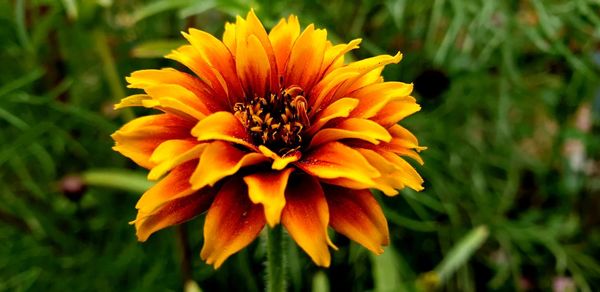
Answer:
[(252, 65), (219, 160), (268, 189), (232, 222), (279, 162), (177, 99), (203, 94), (341, 108), (322, 93), (395, 111), (375, 97), (173, 212), (139, 138), (306, 58), (358, 216), (352, 128), (335, 160), (222, 126), (213, 80), (256, 29), (282, 38), (216, 53), (306, 216), (172, 186)]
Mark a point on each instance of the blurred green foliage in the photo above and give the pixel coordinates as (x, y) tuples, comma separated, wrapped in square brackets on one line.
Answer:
[(511, 105)]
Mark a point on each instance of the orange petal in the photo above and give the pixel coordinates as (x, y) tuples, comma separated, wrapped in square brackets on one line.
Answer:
[(306, 58), (352, 128), (173, 212), (335, 160), (268, 188), (174, 185), (375, 97), (256, 29), (222, 126), (347, 79), (282, 38), (139, 138), (218, 56), (306, 216), (279, 162), (148, 78), (221, 159), (395, 111), (210, 76), (358, 216), (341, 108), (177, 100), (231, 224), (252, 65)]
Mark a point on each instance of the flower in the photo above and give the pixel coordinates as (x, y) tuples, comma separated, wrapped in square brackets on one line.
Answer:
[(270, 128)]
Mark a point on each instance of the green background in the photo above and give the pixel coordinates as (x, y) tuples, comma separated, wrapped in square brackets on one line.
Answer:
[(511, 115)]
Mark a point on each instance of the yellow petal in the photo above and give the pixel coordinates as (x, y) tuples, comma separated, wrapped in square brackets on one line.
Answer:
[(375, 97), (176, 159), (341, 108), (222, 126), (268, 189), (174, 185), (395, 111), (352, 128), (352, 73), (336, 160), (229, 37), (334, 56), (132, 100), (279, 162), (139, 138)]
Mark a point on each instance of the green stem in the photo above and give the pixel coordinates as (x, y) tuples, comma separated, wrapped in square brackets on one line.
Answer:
[(275, 261), (117, 179)]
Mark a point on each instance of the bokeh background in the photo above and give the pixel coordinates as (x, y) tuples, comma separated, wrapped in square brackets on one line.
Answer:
[(511, 115)]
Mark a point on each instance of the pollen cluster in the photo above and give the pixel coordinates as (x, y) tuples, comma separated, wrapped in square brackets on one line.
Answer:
[(276, 121)]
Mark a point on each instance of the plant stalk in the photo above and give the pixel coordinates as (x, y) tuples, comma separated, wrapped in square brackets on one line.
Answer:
[(275, 260)]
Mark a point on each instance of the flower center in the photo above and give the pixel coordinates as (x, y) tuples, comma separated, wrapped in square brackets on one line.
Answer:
[(277, 120)]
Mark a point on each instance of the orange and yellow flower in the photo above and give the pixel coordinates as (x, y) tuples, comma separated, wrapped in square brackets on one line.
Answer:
[(270, 128)]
